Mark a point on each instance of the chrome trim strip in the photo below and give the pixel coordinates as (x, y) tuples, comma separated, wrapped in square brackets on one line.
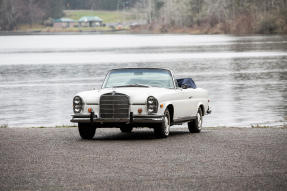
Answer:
[(148, 116), (166, 69), (91, 103), (183, 120)]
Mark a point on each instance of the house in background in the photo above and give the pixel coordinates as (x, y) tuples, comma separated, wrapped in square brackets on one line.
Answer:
[(65, 23), (90, 21)]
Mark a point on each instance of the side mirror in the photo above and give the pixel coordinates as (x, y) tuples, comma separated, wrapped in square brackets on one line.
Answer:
[(184, 86)]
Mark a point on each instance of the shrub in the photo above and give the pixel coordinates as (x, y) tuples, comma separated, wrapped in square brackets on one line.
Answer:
[(4, 126), (267, 25)]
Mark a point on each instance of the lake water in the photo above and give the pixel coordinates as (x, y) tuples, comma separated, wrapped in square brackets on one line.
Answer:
[(246, 76)]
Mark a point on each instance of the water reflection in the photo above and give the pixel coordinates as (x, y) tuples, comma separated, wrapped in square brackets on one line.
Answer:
[(246, 76)]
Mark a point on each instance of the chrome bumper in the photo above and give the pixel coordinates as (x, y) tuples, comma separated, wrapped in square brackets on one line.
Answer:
[(91, 118)]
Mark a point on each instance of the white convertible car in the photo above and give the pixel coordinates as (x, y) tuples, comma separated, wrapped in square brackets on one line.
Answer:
[(141, 97)]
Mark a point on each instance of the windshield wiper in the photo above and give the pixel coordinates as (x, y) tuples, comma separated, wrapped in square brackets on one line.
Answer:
[(132, 85)]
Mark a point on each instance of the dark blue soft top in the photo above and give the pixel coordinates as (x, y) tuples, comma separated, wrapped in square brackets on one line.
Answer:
[(187, 81)]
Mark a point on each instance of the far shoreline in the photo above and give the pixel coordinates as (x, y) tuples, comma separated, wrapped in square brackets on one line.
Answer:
[(143, 30), (36, 33)]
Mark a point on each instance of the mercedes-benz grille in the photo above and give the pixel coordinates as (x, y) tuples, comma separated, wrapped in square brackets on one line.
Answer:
[(114, 105)]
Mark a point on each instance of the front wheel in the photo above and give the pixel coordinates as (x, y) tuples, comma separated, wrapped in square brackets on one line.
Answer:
[(162, 131), (195, 125), (87, 131)]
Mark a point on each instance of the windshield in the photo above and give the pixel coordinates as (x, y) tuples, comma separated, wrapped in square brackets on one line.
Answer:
[(139, 78)]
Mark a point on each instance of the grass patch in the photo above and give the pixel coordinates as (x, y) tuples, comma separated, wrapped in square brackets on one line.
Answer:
[(28, 27), (107, 16), (77, 29)]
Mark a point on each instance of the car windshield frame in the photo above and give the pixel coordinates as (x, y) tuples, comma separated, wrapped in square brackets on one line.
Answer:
[(160, 70)]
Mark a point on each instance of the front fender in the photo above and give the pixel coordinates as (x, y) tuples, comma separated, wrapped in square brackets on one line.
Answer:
[(165, 106), (204, 107)]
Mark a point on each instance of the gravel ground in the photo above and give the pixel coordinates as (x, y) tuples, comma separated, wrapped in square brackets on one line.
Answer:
[(216, 159)]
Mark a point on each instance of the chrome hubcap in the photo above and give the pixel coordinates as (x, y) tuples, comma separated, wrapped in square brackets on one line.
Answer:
[(166, 124), (199, 120)]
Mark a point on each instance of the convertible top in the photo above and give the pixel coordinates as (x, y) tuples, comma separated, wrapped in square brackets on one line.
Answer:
[(187, 81)]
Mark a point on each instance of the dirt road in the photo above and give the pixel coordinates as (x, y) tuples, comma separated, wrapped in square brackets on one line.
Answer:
[(216, 159)]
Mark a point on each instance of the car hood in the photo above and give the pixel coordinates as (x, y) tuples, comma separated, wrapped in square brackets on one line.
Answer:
[(137, 95)]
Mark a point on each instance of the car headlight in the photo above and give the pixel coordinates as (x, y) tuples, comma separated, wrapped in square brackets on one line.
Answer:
[(77, 104), (152, 105)]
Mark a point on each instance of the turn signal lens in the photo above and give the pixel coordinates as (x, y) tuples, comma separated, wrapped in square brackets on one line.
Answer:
[(140, 110), (161, 105), (90, 110)]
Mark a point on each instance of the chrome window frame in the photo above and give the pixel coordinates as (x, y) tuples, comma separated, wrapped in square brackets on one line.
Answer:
[(170, 72)]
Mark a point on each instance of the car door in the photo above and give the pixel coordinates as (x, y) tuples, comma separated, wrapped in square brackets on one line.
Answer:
[(183, 103), (191, 102)]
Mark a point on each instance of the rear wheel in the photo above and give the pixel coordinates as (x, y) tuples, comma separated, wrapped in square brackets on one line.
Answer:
[(126, 129), (162, 131), (195, 125), (87, 131)]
